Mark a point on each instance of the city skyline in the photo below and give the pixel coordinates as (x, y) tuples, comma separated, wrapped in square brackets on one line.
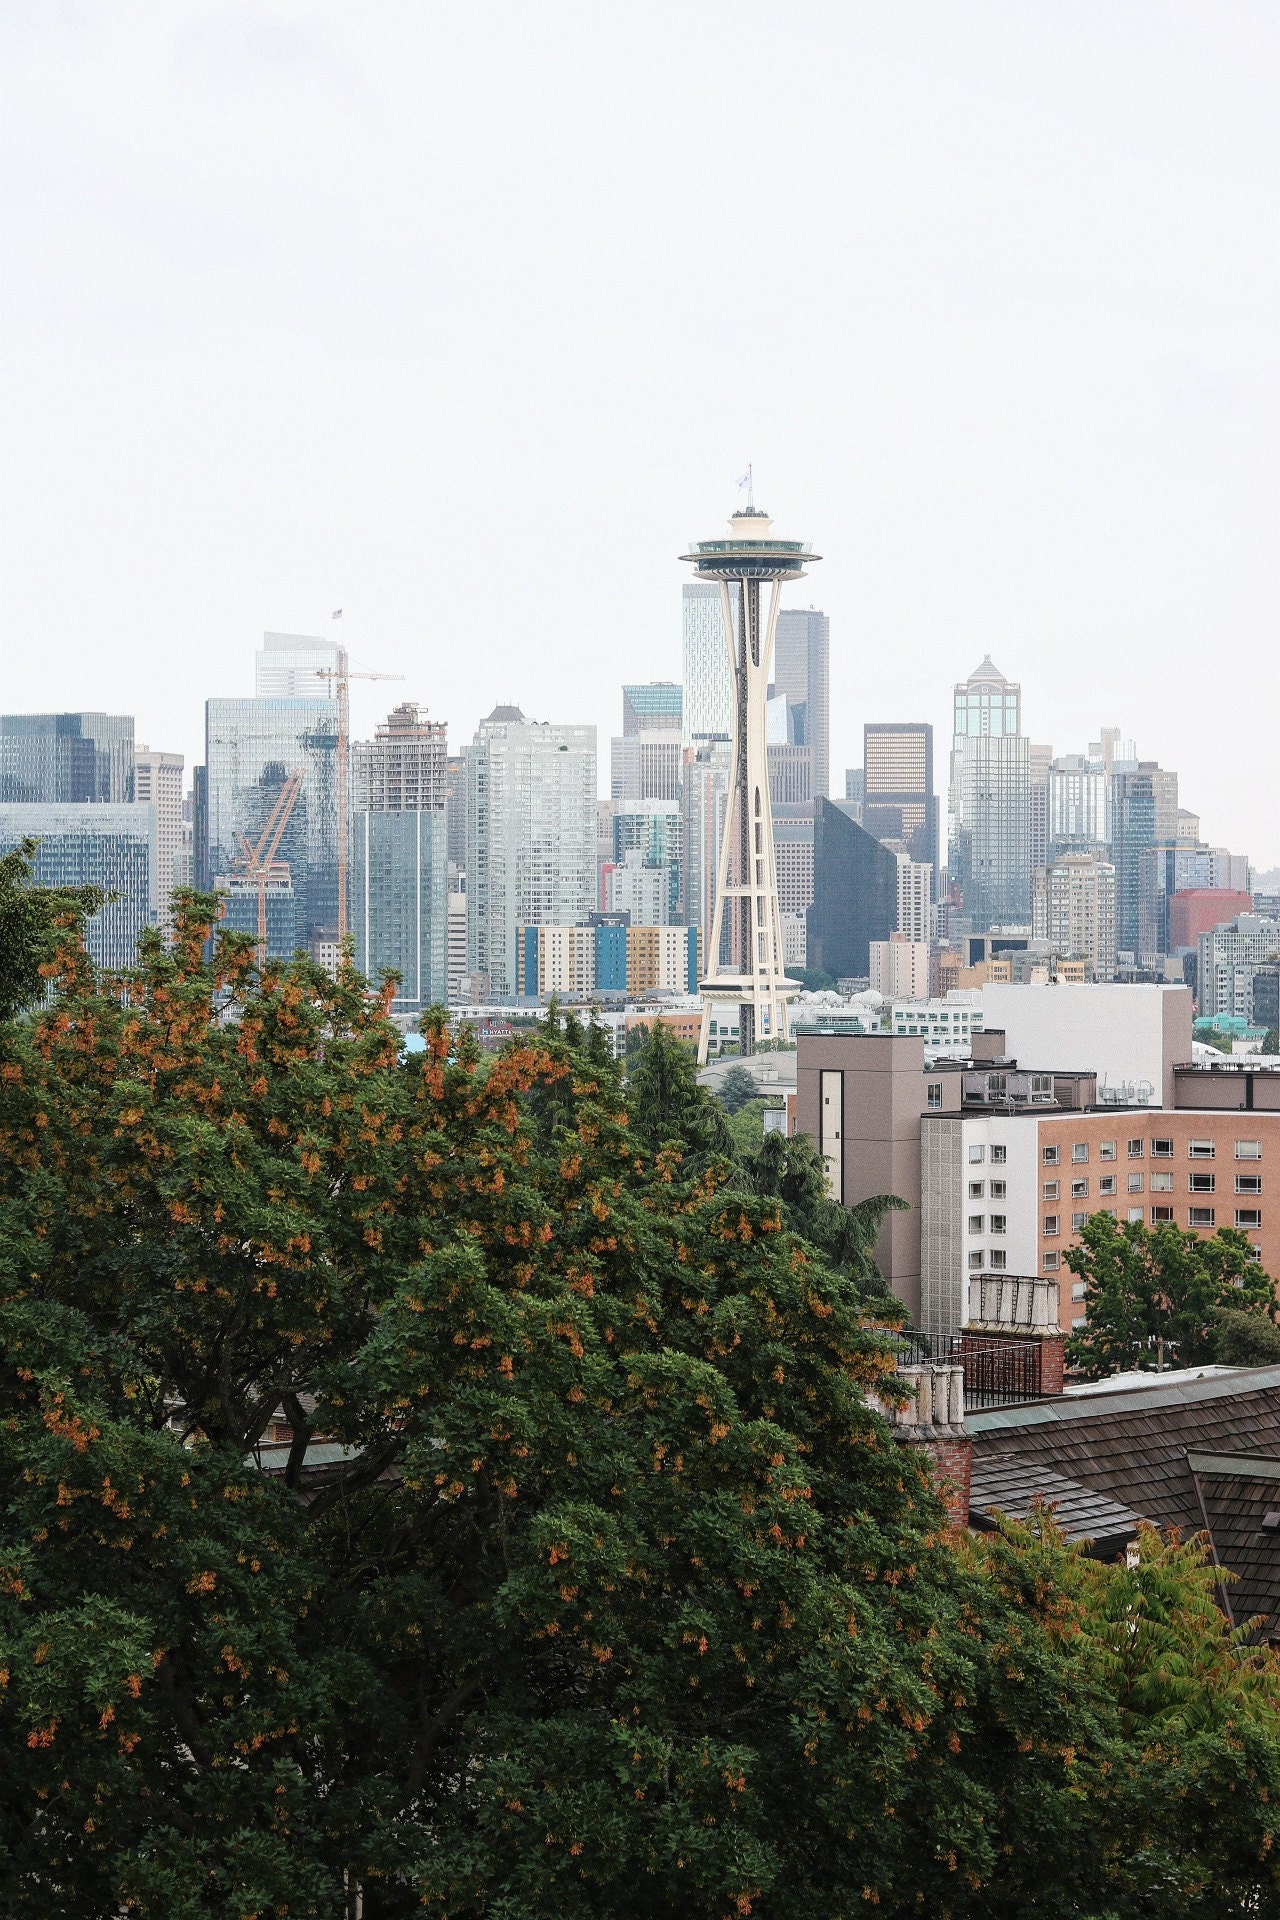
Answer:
[(243, 393)]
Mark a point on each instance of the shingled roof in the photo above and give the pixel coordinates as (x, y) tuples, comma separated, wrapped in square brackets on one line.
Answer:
[(1196, 1454)]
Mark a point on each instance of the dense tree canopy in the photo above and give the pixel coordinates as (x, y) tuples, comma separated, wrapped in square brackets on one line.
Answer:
[(584, 1577), (1155, 1296)]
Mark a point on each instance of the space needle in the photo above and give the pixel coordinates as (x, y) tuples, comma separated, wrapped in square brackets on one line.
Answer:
[(754, 982)]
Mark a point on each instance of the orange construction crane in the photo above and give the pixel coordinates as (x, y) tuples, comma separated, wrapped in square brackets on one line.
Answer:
[(343, 675), (260, 862)]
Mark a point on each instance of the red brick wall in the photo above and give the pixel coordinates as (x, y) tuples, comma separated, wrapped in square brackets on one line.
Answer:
[(952, 1463)]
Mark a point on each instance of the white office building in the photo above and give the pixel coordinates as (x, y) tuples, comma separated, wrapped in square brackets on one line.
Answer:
[(1228, 957), (531, 836), (644, 891), (157, 782), (915, 880), (946, 1026)]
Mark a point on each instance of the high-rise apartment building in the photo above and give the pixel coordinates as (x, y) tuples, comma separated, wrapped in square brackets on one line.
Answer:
[(1074, 909), (900, 967), (94, 843), (295, 666), (642, 891), (157, 782), (403, 769), (704, 791), (1228, 959), (991, 800), (802, 676), (531, 835), (706, 711), (56, 757), (1039, 759), (1144, 808), (915, 887), (898, 801), (252, 747)]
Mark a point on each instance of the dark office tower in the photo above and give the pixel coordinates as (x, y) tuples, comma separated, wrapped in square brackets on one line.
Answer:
[(802, 672), (898, 800), (51, 757), (1144, 815), (200, 829), (855, 894)]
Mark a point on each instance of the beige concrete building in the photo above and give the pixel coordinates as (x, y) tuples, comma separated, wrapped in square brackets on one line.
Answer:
[(157, 781), (1073, 908)]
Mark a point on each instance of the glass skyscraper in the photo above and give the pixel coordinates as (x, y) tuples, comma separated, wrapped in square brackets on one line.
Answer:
[(94, 844), (802, 675), (251, 748), (991, 800), (399, 902), (52, 757)]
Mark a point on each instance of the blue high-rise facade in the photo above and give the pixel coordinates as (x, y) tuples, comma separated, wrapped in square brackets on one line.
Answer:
[(94, 844), (52, 758), (399, 902)]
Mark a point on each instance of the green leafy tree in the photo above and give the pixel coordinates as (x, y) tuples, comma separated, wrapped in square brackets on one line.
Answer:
[(32, 919), (1152, 1294), (430, 1478), (1271, 1041), (1246, 1339), (737, 1089)]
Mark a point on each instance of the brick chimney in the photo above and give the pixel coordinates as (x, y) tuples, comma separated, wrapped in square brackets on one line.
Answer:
[(1016, 1307), (933, 1422)]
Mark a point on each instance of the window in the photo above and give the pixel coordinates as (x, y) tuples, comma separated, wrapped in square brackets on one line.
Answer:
[(1162, 1149), (1200, 1183), (1109, 1211), (975, 1223), (975, 1260), (976, 1156), (1078, 1221), (1080, 1151), (1135, 1149), (1199, 1149), (1135, 1213), (975, 1189), (998, 1257), (1050, 1156), (1162, 1183), (1079, 1189), (1248, 1218), (1135, 1183), (1248, 1149), (999, 1155), (1248, 1183), (933, 1094), (1079, 1289), (999, 1222), (1049, 1262), (1081, 1320), (1107, 1184), (1051, 1223), (1200, 1217), (1049, 1191), (1161, 1216), (1106, 1150), (998, 1189)]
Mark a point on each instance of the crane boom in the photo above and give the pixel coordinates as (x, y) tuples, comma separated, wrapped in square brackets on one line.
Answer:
[(343, 675)]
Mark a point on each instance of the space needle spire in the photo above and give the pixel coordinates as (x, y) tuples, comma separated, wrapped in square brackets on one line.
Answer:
[(753, 979)]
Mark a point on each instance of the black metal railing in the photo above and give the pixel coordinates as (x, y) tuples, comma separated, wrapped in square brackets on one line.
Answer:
[(1000, 1370)]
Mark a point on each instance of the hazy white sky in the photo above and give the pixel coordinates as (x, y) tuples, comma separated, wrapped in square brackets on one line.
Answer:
[(465, 318)]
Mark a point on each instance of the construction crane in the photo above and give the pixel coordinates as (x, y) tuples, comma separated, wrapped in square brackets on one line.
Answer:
[(260, 862), (343, 675)]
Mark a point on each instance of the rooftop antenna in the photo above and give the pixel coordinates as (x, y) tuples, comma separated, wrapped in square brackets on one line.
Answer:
[(747, 482)]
